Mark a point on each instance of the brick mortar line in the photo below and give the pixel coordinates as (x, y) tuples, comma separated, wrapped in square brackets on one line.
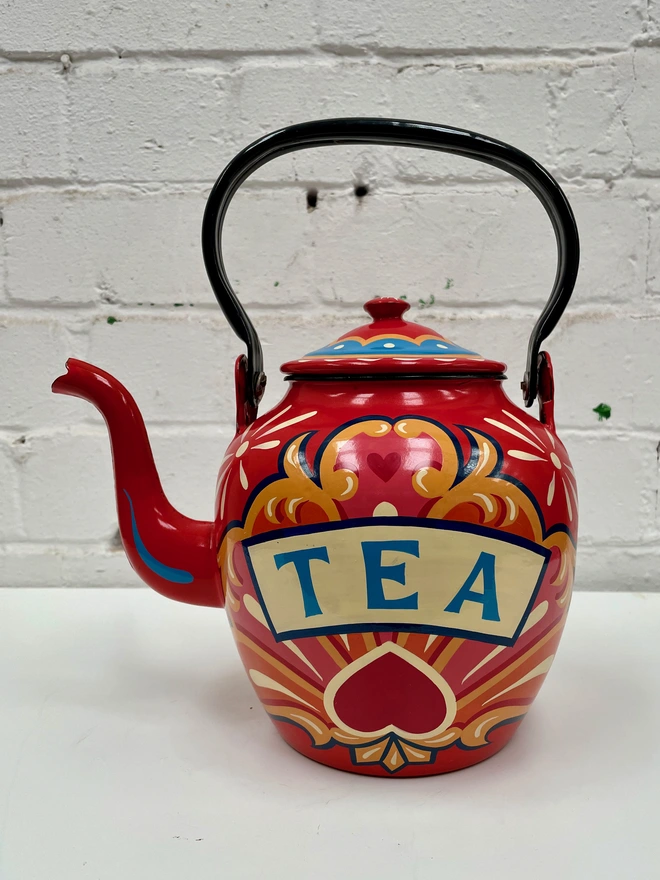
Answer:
[(60, 315), (335, 189), (339, 53), (310, 313), (53, 56)]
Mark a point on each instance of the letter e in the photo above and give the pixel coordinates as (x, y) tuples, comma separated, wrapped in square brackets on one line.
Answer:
[(375, 572)]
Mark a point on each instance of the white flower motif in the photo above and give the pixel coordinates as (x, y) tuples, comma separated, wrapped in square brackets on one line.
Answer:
[(243, 447), (563, 473)]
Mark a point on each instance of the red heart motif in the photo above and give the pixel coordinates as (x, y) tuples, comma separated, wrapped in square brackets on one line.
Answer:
[(386, 467), (389, 690)]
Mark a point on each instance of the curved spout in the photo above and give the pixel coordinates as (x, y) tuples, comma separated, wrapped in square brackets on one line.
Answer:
[(172, 553)]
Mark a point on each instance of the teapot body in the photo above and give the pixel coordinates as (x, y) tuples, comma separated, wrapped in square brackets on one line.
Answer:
[(396, 559)]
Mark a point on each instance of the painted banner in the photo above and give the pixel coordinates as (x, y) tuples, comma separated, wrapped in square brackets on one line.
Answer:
[(396, 574)]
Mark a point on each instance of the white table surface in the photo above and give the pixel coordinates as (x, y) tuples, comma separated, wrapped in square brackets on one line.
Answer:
[(132, 746)]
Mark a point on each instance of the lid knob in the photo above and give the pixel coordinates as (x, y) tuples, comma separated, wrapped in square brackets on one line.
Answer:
[(386, 307)]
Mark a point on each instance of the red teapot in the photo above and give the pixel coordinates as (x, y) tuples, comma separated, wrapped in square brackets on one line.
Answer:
[(394, 542)]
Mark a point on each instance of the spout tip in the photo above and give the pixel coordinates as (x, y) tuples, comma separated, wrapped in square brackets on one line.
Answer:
[(78, 379), (93, 384), (61, 384)]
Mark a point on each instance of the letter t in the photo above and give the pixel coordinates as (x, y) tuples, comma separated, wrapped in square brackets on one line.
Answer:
[(301, 560)]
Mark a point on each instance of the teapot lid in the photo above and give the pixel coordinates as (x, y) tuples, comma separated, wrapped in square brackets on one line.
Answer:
[(391, 345)]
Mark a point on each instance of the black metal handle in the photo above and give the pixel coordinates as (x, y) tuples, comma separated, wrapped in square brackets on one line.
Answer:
[(403, 133)]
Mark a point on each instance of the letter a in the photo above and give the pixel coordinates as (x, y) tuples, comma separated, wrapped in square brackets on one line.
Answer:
[(484, 566)]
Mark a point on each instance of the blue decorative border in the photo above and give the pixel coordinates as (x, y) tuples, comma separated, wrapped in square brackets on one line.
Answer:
[(385, 346), (417, 522)]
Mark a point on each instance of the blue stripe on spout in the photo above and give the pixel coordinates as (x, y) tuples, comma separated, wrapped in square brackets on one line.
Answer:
[(175, 575)]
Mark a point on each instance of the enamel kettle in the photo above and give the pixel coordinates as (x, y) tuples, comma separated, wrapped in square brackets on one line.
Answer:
[(394, 542)]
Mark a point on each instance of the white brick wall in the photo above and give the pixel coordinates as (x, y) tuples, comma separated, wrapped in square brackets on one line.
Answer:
[(105, 163)]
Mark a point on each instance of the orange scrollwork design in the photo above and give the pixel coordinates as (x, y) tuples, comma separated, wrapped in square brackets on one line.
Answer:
[(500, 502), (282, 500), (477, 493), (383, 750)]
